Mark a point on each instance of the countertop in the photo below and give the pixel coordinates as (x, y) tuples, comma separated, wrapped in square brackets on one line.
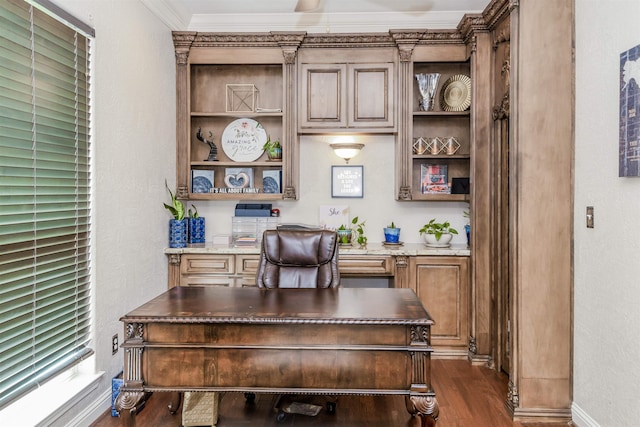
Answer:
[(407, 249)]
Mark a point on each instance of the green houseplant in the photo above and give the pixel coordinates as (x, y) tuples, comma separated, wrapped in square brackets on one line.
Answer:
[(437, 234), (273, 148), (346, 233), (359, 229)]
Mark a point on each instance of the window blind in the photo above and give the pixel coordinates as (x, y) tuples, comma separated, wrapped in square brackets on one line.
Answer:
[(45, 212)]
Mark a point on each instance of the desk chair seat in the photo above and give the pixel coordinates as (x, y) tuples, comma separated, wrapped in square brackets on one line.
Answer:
[(295, 258)]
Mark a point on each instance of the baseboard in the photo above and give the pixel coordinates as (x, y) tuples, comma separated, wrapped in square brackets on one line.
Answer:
[(93, 411), (581, 418)]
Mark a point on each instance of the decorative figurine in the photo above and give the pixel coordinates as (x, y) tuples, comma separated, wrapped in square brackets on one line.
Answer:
[(213, 151)]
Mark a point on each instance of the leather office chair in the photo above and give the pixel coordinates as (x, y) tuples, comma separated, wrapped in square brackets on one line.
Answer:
[(296, 258)]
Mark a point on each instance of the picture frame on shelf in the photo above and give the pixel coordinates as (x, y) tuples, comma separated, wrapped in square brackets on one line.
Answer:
[(434, 179), (202, 180), (347, 181), (272, 181), (238, 178)]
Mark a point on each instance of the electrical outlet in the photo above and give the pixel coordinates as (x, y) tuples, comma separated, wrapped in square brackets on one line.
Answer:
[(114, 344)]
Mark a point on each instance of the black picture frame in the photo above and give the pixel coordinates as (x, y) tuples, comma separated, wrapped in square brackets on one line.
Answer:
[(347, 181)]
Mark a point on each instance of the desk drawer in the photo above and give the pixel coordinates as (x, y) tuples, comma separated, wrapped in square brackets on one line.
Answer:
[(207, 264), (353, 265)]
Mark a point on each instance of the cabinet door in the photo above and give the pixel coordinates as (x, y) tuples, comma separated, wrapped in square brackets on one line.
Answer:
[(323, 94), (371, 95), (442, 284)]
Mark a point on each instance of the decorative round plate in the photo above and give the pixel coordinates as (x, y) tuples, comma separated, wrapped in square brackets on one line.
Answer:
[(243, 139), (455, 94)]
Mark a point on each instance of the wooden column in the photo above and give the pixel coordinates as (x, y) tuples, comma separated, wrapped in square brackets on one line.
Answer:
[(541, 198), (182, 44)]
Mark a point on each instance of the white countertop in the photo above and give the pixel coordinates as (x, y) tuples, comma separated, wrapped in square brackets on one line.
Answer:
[(407, 249)]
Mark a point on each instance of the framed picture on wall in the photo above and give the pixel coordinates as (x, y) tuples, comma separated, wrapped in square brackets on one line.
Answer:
[(347, 181)]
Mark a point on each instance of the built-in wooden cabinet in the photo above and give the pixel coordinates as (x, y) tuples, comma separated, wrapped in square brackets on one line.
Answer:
[(235, 92), (343, 97), (439, 137), (442, 284), (347, 89)]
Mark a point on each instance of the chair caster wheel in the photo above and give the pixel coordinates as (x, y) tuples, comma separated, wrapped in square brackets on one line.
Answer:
[(250, 397), (331, 408), (281, 416)]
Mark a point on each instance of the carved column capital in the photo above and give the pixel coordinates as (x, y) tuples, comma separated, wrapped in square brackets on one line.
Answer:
[(182, 41), (402, 261), (289, 193), (289, 55), (404, 193), (174, 259)]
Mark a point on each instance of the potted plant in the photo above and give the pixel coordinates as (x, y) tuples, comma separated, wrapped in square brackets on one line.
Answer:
[(273, 149), (344, 235), (178, 226), (359, 229), (196, 226), (391, 233), (437, 234)]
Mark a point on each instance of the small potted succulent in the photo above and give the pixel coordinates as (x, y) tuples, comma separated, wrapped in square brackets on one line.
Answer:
[(273, 149), (391, 233), (178, 226), (437, 234)]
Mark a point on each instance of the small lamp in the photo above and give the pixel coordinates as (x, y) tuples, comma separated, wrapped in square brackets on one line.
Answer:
[(346, 151)]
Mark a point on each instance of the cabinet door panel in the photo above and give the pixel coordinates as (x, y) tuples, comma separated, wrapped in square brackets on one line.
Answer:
[(371, 103), (323, 95), (442, 286)]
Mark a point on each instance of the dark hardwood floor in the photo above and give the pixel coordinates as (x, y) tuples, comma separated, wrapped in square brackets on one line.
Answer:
[(469, 396)]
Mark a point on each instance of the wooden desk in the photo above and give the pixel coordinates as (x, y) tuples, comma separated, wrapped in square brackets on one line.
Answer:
[(308, 341)]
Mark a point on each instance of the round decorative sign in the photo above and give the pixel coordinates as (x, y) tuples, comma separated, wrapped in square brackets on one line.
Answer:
[(243, 139)]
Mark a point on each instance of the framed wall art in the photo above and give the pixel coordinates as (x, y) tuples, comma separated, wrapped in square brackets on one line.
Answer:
[(347, 181)]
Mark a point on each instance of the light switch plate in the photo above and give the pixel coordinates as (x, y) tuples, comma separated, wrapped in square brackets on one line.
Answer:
[(589, 216)]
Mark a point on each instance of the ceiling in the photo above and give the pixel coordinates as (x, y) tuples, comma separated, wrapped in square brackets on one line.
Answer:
[(335, 16)]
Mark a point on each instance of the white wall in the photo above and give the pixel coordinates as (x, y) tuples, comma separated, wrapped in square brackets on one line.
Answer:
[(607, 271), (133, 151)]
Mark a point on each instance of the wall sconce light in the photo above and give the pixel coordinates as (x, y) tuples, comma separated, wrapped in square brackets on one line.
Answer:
[(346, 151)]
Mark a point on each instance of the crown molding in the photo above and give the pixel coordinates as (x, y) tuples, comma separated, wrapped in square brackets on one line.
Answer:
[(173, 14)]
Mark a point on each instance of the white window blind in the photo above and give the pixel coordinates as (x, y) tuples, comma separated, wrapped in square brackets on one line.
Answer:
[(44, 198)]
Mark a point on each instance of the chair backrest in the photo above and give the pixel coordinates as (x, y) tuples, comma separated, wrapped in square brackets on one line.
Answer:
[(298, 259)]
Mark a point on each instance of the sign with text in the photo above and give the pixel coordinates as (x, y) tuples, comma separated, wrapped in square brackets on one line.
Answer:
[(347, 181)]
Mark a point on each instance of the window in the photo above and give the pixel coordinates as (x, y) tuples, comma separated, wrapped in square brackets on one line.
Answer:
[(44, 197)]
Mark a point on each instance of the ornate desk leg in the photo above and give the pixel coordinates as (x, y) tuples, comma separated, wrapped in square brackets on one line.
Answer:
[(127, 404), (424, 407), (421, 401)]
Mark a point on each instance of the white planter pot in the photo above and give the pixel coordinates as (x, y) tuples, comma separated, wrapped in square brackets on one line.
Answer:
[(444, 242)]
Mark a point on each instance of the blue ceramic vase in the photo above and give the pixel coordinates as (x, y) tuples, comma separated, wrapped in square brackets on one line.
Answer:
[(178, 232), (196, 230)]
